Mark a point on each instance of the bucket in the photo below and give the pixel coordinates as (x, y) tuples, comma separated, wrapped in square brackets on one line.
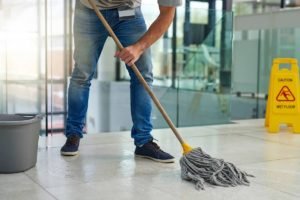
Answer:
[(19, 136)]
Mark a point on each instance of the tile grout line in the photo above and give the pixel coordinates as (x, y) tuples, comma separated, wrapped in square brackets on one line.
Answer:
[(207, 135), (271, 141), (217, 134), (42, 187), (285, 192), (266, 161)]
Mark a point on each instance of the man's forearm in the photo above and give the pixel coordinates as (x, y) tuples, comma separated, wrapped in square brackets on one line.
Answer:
[(158, 27)]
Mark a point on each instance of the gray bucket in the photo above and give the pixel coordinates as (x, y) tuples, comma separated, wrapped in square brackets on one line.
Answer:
[(19, 136)]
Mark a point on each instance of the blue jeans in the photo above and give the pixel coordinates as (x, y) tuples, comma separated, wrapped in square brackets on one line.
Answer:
[(89, 37)]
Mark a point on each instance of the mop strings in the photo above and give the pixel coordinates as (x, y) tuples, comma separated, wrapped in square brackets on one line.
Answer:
[(200, 167)]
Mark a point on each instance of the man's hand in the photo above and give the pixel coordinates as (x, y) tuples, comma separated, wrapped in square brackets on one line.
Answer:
[(132, 53)]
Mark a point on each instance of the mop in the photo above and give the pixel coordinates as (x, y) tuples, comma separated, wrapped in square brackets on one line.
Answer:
[(196, 165)]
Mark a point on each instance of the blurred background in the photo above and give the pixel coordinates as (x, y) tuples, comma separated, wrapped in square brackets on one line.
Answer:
[(211, 67)]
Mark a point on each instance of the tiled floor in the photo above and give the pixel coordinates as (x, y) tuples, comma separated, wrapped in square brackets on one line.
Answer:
[(106, 167)]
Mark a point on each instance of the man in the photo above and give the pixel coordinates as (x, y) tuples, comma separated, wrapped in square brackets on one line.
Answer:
[(126, 19)]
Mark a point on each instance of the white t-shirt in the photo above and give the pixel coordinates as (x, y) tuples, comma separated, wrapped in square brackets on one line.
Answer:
[(110, 4)]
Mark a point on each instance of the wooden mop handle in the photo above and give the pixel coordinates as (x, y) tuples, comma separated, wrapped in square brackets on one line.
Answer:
[(138, 74)]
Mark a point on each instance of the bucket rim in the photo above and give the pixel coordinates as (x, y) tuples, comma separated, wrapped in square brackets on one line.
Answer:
[(32, 118)]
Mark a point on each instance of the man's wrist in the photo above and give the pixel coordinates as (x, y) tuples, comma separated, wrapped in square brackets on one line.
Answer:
[(142, 46)]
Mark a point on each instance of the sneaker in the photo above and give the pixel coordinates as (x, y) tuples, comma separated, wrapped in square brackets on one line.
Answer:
[(152, 151), (71, 146)]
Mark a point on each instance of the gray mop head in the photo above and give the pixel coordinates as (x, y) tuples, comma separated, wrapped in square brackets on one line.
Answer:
[(199, 167)]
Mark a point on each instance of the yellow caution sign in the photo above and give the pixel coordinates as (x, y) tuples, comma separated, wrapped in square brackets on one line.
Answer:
[(283, 100)]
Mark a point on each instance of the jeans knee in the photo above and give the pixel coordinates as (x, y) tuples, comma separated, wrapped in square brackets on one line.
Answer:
[(147, 76), (81, 77)]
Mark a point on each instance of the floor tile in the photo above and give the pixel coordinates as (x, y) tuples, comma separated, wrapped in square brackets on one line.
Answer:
[(20, 186), (109, 189), (106, 167), (281, 175)]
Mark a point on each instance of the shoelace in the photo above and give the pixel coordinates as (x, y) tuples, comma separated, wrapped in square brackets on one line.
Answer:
[(155, 145)]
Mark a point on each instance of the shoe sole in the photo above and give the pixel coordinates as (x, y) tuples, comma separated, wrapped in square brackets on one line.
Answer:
[(157, 160), (69, 153)]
